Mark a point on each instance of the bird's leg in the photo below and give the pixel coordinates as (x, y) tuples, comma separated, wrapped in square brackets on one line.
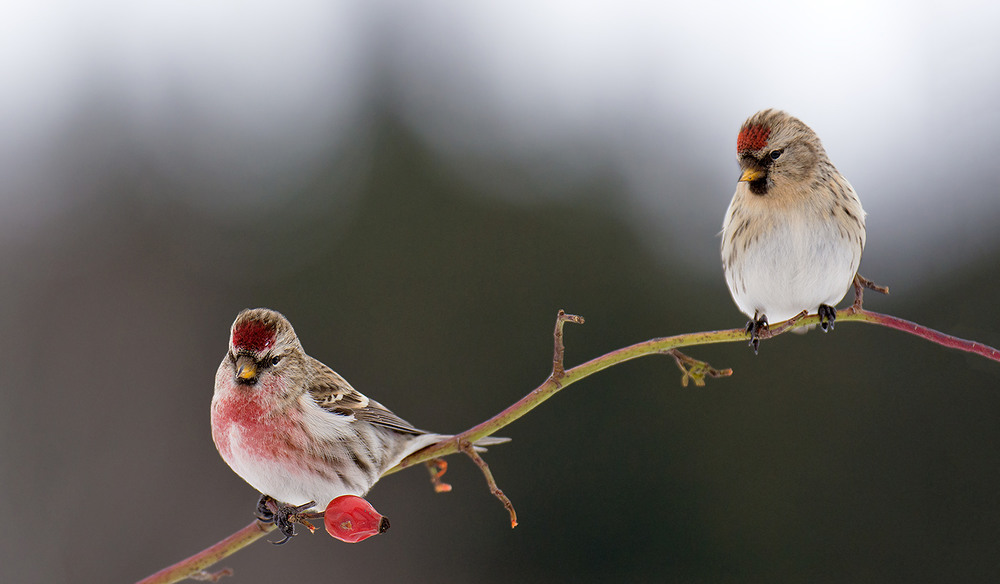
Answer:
[(282, 515), (754, 328), (827, 314)]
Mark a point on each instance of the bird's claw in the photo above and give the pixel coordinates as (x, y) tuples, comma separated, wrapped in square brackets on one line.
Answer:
[(264, 512), (827, 315), (283, 516), (754, 328)]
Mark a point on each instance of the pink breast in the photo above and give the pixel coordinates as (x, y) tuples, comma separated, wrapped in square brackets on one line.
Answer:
[(257, 434)]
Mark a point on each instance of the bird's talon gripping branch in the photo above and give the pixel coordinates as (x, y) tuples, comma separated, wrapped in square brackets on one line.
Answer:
[(827, 315), (694, 370), (437, 467), (284, 517), (467, 447), (756, 328)]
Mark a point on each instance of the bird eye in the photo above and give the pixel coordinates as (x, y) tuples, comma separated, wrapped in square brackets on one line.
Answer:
[(275, 360), (775, 154)]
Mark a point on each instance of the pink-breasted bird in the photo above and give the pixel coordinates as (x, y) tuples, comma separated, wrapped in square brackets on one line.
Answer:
[(794, 231), (295, 429)]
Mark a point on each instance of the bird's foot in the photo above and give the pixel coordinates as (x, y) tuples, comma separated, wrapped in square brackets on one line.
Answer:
[(754, 328), (283, 516), (827, 315)]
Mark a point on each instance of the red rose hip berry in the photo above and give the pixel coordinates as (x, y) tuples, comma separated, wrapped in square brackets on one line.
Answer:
[(352, 519)]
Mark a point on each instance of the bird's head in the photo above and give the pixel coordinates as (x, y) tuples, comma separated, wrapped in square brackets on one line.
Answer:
[(776, 152), (262, 342)]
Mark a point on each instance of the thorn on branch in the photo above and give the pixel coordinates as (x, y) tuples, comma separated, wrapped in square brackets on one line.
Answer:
[(558, 369), (470, 450), (694, 370)]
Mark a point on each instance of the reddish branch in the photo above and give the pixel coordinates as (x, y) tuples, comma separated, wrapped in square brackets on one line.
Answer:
[(560, 377)]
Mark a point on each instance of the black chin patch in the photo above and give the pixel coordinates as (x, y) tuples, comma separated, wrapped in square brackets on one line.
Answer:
[(759, 186)]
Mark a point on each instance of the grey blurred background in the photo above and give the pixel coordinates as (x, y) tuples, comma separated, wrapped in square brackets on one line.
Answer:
[(419, 187)]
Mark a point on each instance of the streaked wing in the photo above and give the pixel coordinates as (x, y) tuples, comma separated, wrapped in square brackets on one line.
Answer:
[(334, 394)]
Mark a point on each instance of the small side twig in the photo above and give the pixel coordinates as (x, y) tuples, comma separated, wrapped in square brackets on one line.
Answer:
[(470, 450), (558, 370), (694, 370), (860, 283)]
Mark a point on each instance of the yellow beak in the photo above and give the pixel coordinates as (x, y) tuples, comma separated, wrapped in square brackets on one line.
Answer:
[(246, 368), (752, 174)]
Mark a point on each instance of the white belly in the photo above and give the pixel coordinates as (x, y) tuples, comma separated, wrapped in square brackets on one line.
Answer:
[(793, 268)]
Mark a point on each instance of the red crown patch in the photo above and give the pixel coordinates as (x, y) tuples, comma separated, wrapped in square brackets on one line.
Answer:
[(752, 138), (254, 336)]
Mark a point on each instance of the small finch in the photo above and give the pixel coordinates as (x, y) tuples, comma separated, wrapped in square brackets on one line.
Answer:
[(294, 429), (794, 231)]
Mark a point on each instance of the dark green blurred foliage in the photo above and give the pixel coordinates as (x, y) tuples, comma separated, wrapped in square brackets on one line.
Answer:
[(859, 455)]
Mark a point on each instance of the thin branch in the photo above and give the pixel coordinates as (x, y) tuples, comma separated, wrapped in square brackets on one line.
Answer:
[(923, 332), (665, 344), (467, 447), (200, 562), (562, 377)]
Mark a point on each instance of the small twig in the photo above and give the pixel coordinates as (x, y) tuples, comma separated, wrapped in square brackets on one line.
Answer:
[(860, 283), (467, 447), (560, 349), (694, 370)]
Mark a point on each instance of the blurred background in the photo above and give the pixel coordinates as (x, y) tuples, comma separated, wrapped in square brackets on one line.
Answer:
[(419, 187)]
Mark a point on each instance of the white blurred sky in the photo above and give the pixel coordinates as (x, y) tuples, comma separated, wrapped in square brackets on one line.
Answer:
[(905, 95)]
